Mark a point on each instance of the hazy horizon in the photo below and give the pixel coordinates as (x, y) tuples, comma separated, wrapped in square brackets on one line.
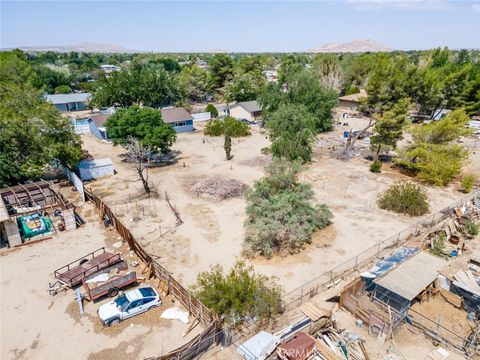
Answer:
[(233, 26)]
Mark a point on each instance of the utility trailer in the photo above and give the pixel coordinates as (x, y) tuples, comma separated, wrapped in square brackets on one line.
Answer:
[(110, 287), (98, 261)]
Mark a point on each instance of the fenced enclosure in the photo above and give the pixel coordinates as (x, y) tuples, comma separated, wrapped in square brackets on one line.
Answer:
[(330, 278), (207, 318)]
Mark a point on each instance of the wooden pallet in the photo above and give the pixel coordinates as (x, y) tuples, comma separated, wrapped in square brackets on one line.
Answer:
[(313, 311)]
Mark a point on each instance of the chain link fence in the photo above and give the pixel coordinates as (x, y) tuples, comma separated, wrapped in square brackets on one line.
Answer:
[(330, 278)]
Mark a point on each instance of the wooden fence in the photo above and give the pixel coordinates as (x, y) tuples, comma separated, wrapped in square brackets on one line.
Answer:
[(206, 317)]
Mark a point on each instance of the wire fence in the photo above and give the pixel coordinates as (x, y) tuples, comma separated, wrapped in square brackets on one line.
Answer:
[(331, 277)]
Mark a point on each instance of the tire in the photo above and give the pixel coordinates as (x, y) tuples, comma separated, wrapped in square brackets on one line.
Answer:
[(112, 322), (83, 261), (113, 292), (152, 307)]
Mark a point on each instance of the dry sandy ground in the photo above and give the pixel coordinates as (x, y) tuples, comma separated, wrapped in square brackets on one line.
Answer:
[(213, 231), (35, 325)]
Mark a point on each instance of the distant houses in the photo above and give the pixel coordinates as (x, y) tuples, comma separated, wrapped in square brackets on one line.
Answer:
[(352, 101), (179, 118), (70, 102)]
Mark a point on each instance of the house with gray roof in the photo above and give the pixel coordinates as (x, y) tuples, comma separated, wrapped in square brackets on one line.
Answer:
[(70, 102), (179, 118), (249, 110)]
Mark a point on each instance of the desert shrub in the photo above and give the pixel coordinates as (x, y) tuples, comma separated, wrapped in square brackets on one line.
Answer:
[(467, 182), (214, 128), (280, 216), (471, 228), (405, 198), (212, 110), (230, 125), (376, 166), (238, 294), (434, 164), (235, 128)]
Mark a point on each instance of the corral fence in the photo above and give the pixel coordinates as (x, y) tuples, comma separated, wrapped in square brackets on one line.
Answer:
[(438, 332), (331, 277), (211, 334)]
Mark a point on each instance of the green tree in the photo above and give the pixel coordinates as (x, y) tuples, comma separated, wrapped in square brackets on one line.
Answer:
[(292, 132), (230, 125), (432, 156), (280, 216), (63, 89), (221, 67), (143, 124), (33, 135), (238, 294), (212, 110), (151, 86), (195, 81), (244, 87), (388, 128), (303, 88)]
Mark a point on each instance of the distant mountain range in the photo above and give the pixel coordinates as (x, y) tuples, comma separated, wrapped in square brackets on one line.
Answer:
[(86, 47), (354, 46)]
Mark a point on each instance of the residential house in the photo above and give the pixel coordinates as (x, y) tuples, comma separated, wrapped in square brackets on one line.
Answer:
[(179, 118), (271, 75), (352, 101), (70, 102), (91, 124), (249, 110), (109, 68)]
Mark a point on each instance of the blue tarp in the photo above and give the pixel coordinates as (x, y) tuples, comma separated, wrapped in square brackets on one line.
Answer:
[(382, 266)]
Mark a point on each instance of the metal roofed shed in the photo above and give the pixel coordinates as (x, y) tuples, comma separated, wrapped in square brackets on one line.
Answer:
[(94, 169), (401, 285), (259, 347)]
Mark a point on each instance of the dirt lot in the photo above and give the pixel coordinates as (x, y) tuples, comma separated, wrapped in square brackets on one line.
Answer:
[(213, 232), (35, 325)]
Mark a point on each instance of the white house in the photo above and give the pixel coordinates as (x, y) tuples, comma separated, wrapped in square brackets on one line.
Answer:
[(249, 110)]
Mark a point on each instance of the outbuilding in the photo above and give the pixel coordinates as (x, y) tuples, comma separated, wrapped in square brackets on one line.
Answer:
[(352, 101), (249, 110), (95, 169)]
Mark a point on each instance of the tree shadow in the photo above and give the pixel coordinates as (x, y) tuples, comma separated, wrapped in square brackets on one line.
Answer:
[(158, 160)]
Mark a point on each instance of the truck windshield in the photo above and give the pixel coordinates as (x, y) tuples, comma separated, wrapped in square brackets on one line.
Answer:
[(122, 302)]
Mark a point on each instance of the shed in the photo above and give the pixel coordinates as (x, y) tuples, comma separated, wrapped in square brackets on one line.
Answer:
[(352, 101), (400, 286), (299, 347), (258, 347), (94, 169)]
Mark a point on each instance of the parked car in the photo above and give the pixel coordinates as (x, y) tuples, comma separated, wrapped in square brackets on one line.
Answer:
[(248, 122), (129, 304)]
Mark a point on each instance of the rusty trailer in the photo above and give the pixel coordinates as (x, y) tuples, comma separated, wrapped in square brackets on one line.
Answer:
[(111, 287), (89, 265)]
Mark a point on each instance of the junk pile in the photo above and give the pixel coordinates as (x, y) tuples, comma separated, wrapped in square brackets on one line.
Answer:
[(218, 188), (452, 238), (32, 225)]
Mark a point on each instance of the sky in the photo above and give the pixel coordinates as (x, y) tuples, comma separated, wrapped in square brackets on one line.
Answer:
[(250, 26)]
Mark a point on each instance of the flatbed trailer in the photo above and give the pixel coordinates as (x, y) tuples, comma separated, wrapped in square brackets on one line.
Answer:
[(87, 266), (110, 287)]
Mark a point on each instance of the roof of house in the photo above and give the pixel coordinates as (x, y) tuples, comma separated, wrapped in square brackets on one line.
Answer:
[(410, 278), (100, 119), (250, 106), (354, 97), (68, 98), (175, 114)]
